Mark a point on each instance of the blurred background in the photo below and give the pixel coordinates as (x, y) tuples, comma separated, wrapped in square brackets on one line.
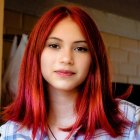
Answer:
[(117, 20)]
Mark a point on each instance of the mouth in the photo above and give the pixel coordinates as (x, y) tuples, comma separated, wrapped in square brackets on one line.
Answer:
[(64, 73)]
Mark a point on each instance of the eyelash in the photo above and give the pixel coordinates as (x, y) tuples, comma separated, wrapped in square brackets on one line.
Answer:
[(54, 46), (79, 49)]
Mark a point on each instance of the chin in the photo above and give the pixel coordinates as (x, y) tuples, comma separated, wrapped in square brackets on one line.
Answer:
[(65, 88)]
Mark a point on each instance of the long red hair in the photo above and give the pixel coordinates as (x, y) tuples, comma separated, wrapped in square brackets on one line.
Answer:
[(96, 105)]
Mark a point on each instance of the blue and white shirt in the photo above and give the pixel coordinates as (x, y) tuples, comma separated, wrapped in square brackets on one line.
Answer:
[(10, 130)]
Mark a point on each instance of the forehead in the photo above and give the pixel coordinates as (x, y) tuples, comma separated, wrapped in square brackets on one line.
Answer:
[(67, 28)]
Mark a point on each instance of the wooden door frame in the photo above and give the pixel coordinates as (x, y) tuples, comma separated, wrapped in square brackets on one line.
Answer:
[(1, 42)]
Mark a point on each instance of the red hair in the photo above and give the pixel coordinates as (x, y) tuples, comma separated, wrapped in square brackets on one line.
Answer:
[(96, 105)]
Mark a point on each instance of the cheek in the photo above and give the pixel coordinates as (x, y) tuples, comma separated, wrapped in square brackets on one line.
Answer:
[(44, 63), (42, 66), (84, 66), (86, 63), (47, 63), (45, 70)]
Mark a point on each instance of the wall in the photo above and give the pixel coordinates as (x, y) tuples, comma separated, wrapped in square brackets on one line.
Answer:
[(124, 54), (121, 36), (122, 39), (15, 23)]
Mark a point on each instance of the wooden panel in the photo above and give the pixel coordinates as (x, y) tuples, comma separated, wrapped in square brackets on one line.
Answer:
[(1, 39)]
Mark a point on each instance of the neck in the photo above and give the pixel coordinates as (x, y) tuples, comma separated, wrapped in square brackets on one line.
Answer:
[(62, 108)]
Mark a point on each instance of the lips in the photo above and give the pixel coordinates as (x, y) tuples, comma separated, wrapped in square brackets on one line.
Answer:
[(64, 73)]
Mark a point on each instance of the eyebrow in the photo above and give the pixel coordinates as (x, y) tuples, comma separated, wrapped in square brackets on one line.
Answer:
[(78, 41), (55, 38)]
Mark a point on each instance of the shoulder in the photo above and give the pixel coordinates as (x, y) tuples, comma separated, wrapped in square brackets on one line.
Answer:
[(132, 113), (8, 127), (129, 110), (124, 103), (11, 130)]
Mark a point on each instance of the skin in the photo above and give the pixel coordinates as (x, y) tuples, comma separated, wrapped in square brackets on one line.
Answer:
[(65, 63)]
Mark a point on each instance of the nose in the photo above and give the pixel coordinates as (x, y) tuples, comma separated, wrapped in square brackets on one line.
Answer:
[(66, 56)]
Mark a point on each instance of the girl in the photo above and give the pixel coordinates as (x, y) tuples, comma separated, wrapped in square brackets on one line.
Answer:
[(64, 90)]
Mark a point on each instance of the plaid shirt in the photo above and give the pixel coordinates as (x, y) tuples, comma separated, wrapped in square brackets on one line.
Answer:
[(9, 131)]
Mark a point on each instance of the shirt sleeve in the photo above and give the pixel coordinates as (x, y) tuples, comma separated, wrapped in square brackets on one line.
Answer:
[(135, 130), (11, 131), (0, 133), (8, 131), (138, 122), (3, 132)]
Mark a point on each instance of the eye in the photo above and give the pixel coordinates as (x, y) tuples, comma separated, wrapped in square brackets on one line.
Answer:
[(54, 46), (81, 49)]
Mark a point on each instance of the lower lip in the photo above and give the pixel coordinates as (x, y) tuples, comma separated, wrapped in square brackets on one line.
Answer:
[(64, 74)]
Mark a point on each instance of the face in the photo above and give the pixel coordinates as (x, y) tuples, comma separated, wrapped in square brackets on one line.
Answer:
[(66, 59)]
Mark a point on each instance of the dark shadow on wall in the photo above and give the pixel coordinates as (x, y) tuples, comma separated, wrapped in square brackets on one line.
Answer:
[(121, 88)]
